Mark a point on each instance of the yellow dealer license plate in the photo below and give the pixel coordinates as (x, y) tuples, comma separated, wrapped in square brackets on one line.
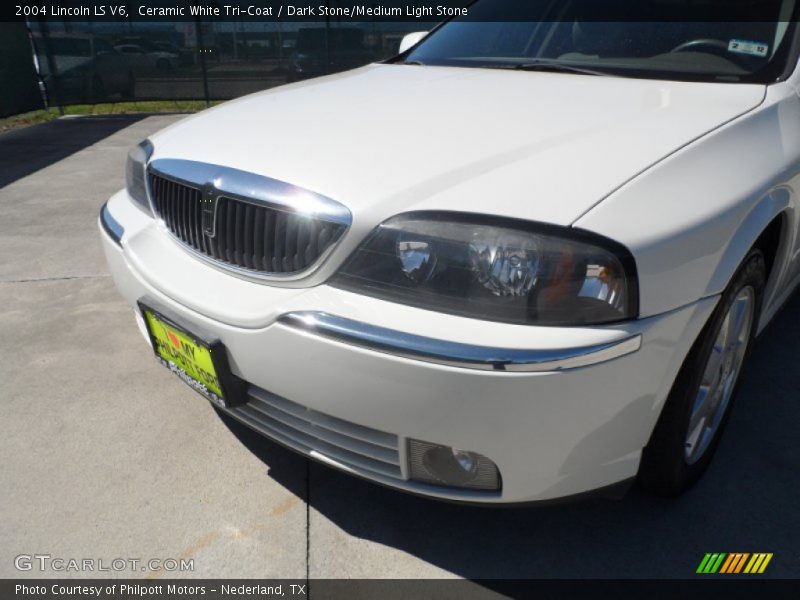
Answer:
[(190, 358)]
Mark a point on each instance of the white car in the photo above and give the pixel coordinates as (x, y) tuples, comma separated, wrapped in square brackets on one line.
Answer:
[(518, 262), (148, 60)]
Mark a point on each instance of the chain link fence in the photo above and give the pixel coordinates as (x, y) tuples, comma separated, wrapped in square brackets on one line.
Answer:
[(86, 63), (20, 90)]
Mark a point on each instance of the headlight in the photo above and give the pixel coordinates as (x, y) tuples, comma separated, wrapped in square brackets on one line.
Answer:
[(136, 175), (508, 270)]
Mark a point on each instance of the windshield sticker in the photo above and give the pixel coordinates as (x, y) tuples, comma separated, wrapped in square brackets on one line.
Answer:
[(746, 47)]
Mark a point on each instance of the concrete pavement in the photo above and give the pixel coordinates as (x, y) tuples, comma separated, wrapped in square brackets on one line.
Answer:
[(104, 455)]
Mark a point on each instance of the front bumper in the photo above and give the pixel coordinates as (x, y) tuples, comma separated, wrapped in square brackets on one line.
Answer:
[(552, 432)]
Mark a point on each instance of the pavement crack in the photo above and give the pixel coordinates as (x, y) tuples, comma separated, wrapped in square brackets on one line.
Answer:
[(41, 279)]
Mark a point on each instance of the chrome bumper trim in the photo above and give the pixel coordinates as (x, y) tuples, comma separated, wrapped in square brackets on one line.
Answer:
[(455, 354), (111, 226)]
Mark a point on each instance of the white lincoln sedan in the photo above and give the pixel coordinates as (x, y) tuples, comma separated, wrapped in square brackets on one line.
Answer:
[(523, 260)]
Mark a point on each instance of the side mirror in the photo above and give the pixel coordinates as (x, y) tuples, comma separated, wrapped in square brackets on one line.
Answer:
[(411, 39)]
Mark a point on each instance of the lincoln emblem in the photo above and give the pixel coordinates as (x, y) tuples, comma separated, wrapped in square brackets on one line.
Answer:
[(208, 207)]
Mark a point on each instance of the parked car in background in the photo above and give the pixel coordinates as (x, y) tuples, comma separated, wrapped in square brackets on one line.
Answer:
[(84, 68), (185, 55), (148, 60), (525, 259)]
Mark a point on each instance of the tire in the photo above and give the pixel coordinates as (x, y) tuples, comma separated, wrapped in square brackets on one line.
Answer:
[(675, 457)]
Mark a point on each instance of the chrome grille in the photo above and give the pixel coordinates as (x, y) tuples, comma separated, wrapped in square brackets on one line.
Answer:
[(242, 233), (353, 446)]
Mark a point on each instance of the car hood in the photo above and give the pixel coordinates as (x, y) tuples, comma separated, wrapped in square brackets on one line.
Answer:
[(386, 139)]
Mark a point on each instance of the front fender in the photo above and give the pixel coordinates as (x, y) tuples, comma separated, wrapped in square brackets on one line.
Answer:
[(765, 211), (690, 219)]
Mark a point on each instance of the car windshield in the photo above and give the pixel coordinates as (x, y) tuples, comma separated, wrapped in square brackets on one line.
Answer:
[(579, 35)]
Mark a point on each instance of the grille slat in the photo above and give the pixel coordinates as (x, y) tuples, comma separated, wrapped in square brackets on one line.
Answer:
[(230, 224), (222, 230), (269, 229), (258, 241), (203, 240), (352, 446), (161, 192), (212, 248), (180, 221), (279, 243), (311, 247), (171, 205), (197, 224), (186, 216), (372, 436), (302, 244), (238, 233), (291, 245), (249, 227), (181, 213), (329, 436), (249, 236)]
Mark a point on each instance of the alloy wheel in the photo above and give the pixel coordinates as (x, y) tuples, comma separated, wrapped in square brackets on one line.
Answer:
[(720, 375)]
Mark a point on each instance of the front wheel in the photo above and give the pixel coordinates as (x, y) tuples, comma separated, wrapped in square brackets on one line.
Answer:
[(699, 404)]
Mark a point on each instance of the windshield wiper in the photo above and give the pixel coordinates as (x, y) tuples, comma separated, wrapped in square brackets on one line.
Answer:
[(538, 65), (555, 67)]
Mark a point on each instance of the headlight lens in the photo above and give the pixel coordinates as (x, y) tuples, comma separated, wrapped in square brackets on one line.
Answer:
[(135, 174), (509, 271)]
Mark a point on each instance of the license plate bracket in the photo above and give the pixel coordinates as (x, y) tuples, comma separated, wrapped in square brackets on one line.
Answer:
[(198, 358)]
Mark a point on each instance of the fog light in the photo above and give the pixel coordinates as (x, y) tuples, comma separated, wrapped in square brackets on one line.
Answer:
[(443, 465)]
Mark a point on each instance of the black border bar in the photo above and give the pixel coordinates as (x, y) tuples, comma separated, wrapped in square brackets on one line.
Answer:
[(707, 587), (422, 11)]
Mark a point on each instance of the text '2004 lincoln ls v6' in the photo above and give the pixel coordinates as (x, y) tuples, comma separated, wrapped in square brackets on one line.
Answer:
[(522, 260)]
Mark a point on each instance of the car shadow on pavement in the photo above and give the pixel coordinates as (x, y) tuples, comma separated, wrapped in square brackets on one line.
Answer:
[(288, 468), (745, 503), (28, 149)]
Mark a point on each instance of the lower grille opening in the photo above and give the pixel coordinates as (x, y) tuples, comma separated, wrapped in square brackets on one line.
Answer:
[(352, 446)]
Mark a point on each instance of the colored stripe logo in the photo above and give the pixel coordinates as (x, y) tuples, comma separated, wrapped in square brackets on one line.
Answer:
[(734, 563)]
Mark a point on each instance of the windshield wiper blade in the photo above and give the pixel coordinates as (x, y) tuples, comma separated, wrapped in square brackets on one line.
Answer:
[(555, 67)]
